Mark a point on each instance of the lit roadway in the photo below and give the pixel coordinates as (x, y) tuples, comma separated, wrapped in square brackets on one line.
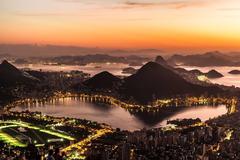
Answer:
[(80, 147), (51, 132), (10, 124)]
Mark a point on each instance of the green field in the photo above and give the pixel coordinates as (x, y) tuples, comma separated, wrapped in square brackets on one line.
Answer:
[(20, 134)]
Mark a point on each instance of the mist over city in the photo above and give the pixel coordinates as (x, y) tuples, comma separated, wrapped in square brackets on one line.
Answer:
[(119, 80)]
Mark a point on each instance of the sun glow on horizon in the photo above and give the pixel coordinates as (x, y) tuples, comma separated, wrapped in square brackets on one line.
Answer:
[(171, 24)]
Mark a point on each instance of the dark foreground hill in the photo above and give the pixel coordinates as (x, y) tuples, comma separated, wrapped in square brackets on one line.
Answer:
[(102, 81), (155, 81), (11, 76)]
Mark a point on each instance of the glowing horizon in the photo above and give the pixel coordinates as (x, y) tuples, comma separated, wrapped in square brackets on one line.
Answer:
[(161, 24)]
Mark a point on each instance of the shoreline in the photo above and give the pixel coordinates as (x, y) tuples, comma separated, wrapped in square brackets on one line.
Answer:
[(230, 104), (191, 101)]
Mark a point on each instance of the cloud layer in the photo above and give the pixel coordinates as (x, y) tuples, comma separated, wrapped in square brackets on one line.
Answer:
[(169, 4)]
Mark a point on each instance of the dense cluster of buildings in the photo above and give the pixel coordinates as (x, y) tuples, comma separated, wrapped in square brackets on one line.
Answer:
[(216, 139), (182, 144)]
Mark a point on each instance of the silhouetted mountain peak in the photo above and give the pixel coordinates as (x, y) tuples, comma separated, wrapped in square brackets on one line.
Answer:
[(155, 71), (154, 80), (214, 74), (5, 62), (5, 66), (160, 60), (10, 75), (149, 66), (103, 80), (104, 73)]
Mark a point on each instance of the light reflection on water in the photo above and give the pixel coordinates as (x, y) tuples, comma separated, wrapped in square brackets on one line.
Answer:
[(228, 79), (118, 117)]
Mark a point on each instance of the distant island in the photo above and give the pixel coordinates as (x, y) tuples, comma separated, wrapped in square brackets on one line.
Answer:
[(234, 72), (213, 74)]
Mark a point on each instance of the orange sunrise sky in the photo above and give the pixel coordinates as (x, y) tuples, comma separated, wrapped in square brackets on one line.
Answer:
[(162, 24)]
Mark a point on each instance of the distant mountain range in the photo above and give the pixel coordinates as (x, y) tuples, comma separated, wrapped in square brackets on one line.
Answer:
[(27, 50), (83, 55), (203, 60), (99, 58)]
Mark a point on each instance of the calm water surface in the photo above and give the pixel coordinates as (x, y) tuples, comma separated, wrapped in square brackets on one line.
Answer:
[(118, 117), (228, 79)]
